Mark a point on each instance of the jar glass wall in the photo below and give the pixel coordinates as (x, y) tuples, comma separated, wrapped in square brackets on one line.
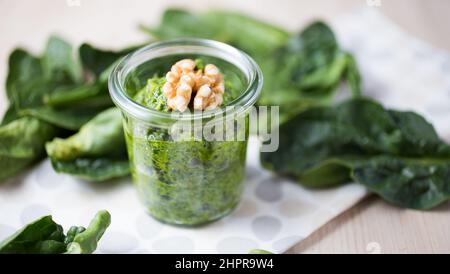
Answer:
[(184, 176)]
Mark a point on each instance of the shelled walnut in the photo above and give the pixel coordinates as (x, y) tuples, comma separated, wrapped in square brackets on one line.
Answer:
[(183, 80)]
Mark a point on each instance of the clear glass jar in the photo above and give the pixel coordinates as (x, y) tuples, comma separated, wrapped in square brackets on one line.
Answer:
[(189, 180)]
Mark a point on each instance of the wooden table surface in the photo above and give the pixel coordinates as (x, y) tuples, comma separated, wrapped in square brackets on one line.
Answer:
[(372, 226)]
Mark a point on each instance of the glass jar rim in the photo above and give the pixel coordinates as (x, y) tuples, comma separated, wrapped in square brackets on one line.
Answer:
[(241, 60)]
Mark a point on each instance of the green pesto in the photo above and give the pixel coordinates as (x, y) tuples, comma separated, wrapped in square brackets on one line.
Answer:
[(186, 182), (152, 96), (199, 64)]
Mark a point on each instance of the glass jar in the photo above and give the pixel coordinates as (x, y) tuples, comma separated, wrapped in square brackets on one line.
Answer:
[(192, 179)]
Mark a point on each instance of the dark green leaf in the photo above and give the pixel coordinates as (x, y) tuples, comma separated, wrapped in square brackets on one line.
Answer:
[(97, 152), (72, 233), (353, 76), (321, 146), (253, 36), (80, 95), (25, 85), (42, 236), (311, 55), (51, 89), (102, 136), (23, 69), (22, 143), (307, 71), (414, 183), (96, 60), (31, 80), (71, 119), (93, 169), (59, 63), (178, 23)]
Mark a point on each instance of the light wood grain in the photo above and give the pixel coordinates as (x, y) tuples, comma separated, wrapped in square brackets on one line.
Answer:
[(112, 23), (376, 227)]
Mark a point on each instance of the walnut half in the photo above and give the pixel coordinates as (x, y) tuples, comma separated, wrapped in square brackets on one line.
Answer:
[(183, 80)]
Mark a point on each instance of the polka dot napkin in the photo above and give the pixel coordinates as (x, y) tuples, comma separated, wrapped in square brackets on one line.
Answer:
[(274, 213)]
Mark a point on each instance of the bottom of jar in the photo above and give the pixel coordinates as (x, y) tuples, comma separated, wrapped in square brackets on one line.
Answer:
[(184, 223)]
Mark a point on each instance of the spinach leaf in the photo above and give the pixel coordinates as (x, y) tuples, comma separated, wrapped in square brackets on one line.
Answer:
[(93, 94), (414, 183), (59, 63), (89, 95), (352, 75), (59, 92), (254, 36), (31, 79), (307, 71), (85, 242), (51, 87), (94, 169), (79, 103), (22, 143), (24, 87), (45, 236), (178, 23), (72, 232), (41, 236), (328, 146), (70, 118), (103, 135), (97, 152), (96, 60), (23, 68)]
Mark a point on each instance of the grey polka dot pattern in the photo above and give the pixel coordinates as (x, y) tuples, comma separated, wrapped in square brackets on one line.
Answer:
[(148, 227), (174, 244), (236, 245), (33, 212), (117, 242), (269, 190), (266, 227), (251, 173)]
